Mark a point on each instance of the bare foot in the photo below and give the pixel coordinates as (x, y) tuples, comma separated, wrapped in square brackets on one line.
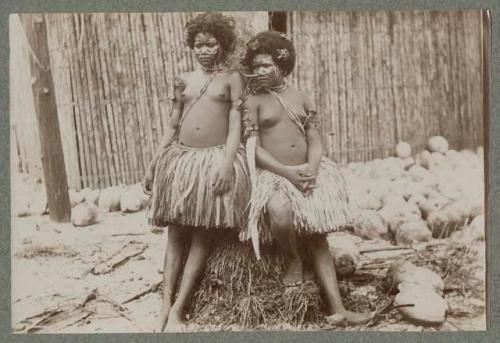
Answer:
[(293, 275), (350, 318), (165, 309), (175, 322)]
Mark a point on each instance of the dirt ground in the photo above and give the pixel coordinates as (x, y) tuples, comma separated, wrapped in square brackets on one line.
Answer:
[(104, 278)]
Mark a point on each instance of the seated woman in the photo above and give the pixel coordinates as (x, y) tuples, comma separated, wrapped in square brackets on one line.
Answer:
[(298, 194), (199, 178)]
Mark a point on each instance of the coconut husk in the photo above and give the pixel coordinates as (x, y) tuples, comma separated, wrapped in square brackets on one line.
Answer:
[(370, 225), (407, 273), (416, 231), (428, 307), (84, 214)]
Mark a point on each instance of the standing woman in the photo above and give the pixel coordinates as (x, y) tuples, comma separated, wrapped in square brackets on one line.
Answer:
[(198, 178), (298, 193)]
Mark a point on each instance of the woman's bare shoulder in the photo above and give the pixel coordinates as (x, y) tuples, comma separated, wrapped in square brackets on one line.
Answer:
[(233, 77), (252, 101), (182, 79), (186, 76), (306, 100)]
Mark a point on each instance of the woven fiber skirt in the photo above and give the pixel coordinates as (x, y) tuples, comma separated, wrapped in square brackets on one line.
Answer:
[(183, 192), (324, 210)]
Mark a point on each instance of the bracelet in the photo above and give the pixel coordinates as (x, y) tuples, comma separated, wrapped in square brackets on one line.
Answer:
[(250, 129)]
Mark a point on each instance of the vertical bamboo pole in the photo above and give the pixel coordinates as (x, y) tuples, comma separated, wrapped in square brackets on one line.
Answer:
[(161, 90), (144, 123), (111, 100), (79, 102), (344, 128), (102, 45), (86, 98), (141, 130), (369, 86), (121, 54), (378, 86), (154, 72), (100, 119)]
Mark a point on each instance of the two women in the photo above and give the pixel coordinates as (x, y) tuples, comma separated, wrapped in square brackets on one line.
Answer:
[(199, 178)]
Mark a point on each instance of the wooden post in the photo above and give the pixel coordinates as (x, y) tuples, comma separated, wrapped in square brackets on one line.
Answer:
[(54, 172)]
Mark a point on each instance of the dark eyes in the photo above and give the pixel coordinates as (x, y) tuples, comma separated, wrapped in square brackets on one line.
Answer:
[(200, 45)]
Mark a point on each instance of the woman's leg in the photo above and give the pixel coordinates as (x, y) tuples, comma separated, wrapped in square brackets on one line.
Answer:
[(327, 278), (195, 264), (283, 231), (177, 236)]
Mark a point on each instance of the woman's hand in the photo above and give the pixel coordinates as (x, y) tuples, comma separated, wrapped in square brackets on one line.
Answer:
[(300, 178), (223, 179), (147, 181), (310, 171)]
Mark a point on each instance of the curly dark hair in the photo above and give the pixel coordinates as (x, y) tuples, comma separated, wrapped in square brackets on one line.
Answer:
[(272, 43), (219, 25)]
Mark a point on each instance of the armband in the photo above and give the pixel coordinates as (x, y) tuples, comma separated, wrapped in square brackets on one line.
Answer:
[(312, 119), (249, 121), (178, 88)]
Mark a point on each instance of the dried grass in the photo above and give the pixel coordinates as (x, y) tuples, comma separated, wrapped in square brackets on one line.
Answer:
[(33, 251), (237, 290)]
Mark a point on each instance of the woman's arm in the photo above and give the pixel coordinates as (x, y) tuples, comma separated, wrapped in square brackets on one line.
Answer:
[(223, 178), (313, 137), (174, 120), (168, 136), (262, 158), (234, 129), (314, 146)]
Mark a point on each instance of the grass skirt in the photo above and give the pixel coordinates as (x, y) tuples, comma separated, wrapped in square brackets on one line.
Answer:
[(183, 192), (324, 210)]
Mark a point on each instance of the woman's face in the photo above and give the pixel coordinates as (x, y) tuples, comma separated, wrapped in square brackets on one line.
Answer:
[(206, 49), (266, 71)]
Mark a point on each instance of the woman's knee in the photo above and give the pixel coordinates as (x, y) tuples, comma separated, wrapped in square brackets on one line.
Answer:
[(280, 214), (316, 242), (177, 233), (201, 237)]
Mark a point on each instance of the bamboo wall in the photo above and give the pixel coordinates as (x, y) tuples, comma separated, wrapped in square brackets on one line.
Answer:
[(119, 69), (382, 77), (113, 76)]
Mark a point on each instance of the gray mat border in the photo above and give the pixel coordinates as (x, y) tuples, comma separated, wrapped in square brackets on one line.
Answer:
[(12, 6)]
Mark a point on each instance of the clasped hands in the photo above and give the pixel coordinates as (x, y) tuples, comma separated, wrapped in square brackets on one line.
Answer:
[(304, 178)]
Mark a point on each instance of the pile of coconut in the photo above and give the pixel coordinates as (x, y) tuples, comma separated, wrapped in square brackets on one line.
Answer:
[(30, 199), (87, 203), (410, 199)]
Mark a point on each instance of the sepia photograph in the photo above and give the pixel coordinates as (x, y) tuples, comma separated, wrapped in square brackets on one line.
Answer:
[(249, 171)]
